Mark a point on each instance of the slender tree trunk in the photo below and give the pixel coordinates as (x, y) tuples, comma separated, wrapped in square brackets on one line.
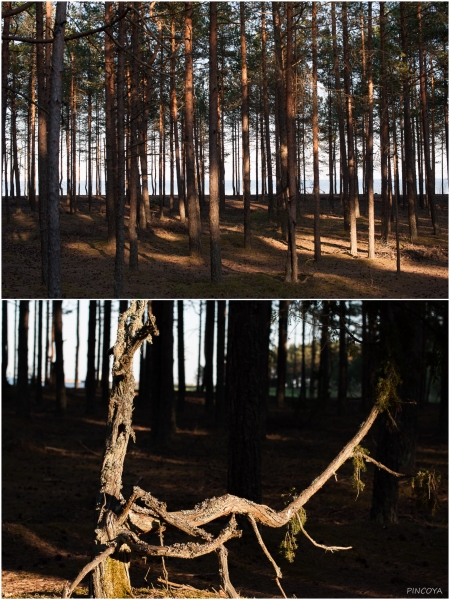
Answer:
[(369, 143), (4, 338), (342, 386), (350, 136), (32, 139), (315, 124), (23, 393), (192, 199), (429, 165), (303, 376), (173, 108), (283, 314), (181, 365), (134, 138), (61, 400), (119, 263), (340, 113), (209, 352), (39, 356), (110, 131), (106, 347), (245, 115), (73, 114), (409, 159), (220, 361), (54, 241), (214, 154), (90, 375), (5, 68), (384, 132)]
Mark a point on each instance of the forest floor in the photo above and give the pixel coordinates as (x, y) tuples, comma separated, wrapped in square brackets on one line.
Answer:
[(167, 271), (51, 476)]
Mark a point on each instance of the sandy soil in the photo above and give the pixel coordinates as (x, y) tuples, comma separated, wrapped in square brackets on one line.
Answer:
[(50, 477), (167, 271)]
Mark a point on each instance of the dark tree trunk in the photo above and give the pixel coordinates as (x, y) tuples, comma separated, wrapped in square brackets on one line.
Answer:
[(324, 360), (401, 342), (162, 392), (174, 112), (106, 347), (209, 353), (134, 137), (443, 404), (246, 389), (214, 153), (54, 241), (61, 400), (23, 398), (303, 376), (90, 375), (220, 360), (343, 363), (181, 365), (4, 338), (77, 347), (39, 356), (283, 313)]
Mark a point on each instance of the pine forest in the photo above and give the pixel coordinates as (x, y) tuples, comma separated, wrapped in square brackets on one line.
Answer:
[(224, 149)]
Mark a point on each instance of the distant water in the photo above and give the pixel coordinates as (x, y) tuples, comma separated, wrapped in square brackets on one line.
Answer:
[(323, 183)]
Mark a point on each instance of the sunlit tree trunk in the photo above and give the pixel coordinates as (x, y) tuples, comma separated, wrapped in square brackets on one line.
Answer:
[(245, 115), (110, 130), (369, 142), (350, 135), (23, 398), (315, 123), (192, 199), (409, 158), (214, 154)]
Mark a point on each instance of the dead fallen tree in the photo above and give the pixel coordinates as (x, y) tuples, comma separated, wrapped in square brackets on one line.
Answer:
[(120, 522)]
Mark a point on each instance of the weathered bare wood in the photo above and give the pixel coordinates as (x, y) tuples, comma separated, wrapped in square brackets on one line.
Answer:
[(68, 589)]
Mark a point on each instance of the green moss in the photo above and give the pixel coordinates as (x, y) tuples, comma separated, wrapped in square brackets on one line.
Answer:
[(386, 389), (426, 485), (115, 579), (359, 466)]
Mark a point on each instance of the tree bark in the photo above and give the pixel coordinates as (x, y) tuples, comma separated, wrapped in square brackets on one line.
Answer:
[(409, 158), (220, 362), (61, 400), (192, 199), (181, 365), (133, 151), (350, 136), (110, 579), (247, 335), (369, 141), (209, 352), (214, 154), (106, 346), (119, 263), (4, 343), (162, 391), (90, 376), (266, 111), (23, 393), (343, 363), (54, 240), (283, 314), (245, 115), (315, 119), (110, 128)]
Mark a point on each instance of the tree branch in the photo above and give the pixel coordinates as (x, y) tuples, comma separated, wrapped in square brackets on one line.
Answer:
[(68, 589), (17, 10)]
